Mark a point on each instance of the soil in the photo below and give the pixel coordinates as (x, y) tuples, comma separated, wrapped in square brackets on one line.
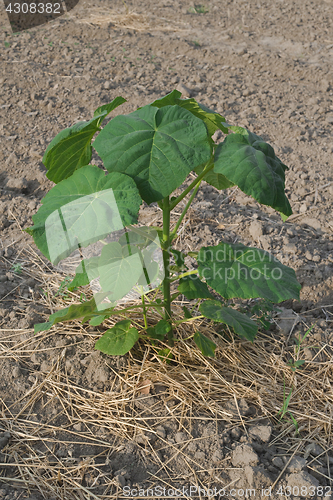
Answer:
[(266, 66)]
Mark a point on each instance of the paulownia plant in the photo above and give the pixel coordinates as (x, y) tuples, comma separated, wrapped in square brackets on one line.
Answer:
[(148, 154)]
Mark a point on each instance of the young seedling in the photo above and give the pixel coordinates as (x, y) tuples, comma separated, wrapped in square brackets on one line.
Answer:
[(294, 364), (148, 154)]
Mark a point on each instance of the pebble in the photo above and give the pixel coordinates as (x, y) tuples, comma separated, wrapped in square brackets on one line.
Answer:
[(186, 92), (17, 183), (296, 464), (263, 432), (243, 455), (180, 437)]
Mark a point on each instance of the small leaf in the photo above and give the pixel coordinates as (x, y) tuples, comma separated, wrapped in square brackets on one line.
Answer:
[(104, 110), (166, 355), (249, 162), (70, 150), (193, 288), (187, 313), (179, 259), (119, 339), (75, 311), (159, 331), (242, 325), (206, 346), (97, 320)]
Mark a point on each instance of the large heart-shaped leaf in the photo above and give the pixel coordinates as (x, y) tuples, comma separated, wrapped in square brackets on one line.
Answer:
[(193, 288), (242, 325), (213, 120), (157, 148), (206, 346), (119, 339), (83, 209), (70, 149), (249, 162), (240, 271)]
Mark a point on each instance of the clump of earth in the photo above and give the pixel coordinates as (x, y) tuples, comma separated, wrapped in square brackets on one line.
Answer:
[(267, 68)]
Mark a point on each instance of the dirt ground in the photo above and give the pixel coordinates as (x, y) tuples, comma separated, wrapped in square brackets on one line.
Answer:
[(74, 424)]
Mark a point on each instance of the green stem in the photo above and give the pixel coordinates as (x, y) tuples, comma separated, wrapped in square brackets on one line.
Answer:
[(144, 310), (183, 275), (174, 232), (166, 263), (188, 320), (208, 167)]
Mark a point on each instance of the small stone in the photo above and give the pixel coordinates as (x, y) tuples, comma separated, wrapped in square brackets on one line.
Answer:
[(243, 455), (256, 230), (107, 85), (296, 464), (315, 223), (160, 431), (16, 372), (261, 432), (180, 437), (308, 255), (278, 462), (308, 354), (301, 479), (235, 433), (20, 184), (200, 455), (303, 208), (186, 92), (78, 427), (121, 481), (314, 449)]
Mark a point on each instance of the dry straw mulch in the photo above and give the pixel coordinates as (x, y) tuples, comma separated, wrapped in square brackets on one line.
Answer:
[(126, 19), (197, 386)]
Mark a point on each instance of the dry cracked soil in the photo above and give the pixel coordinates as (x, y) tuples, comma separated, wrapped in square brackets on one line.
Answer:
[(265, 65)]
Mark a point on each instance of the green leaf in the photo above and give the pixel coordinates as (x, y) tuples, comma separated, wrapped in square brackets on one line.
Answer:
[(242, 325), (75, 311), (167, 100), (179, 259), (157, 148), (119, 272), (119, 339), (250, 163), (193, 288), (106, 109), (219, 181), (206, 346), (159, 331), (85, 272), (187, 313), (244, 272), (83, 209), (70, 149), (165, 355), (97, 320), (284, 217), (213, 120)]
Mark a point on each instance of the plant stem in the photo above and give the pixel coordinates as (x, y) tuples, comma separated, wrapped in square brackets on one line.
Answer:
[(174, 232), (194, 271), (144, 310), (208, 167), (166, 263)]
